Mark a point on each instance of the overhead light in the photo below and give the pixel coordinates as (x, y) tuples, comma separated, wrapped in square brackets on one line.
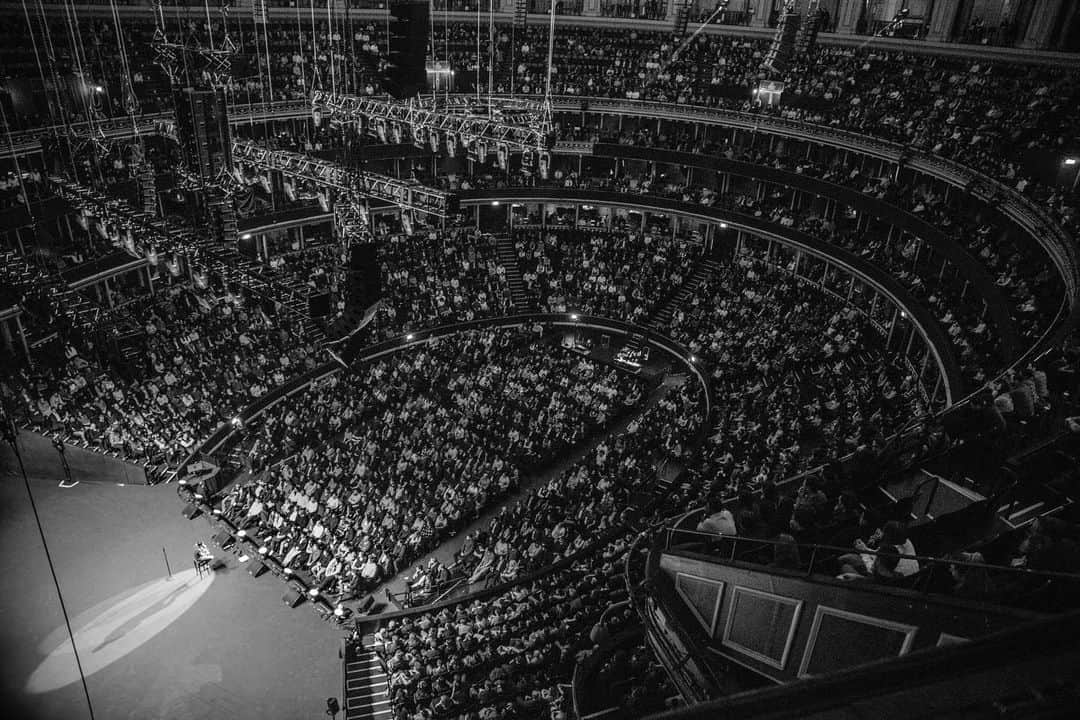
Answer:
[(693, 358), (241, 533), (263, 550), (313, 592), (245, 236), (723, 226), (574, 316), (494, 202), (409, 336), (1071, 161)]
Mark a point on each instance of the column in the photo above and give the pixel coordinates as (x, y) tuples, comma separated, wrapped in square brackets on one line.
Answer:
[(5, 333), (848, 15), (762, 11), (1042, 26), (942, 20), (22, 339)]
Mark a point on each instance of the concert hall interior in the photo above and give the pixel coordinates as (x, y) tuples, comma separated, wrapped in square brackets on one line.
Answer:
[(561, 359)]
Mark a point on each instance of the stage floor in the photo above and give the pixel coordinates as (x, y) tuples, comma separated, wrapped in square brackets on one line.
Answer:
[(152, 647)]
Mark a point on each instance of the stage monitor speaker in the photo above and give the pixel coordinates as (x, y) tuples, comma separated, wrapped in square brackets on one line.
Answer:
[(406, 71), (257, 568), (223, 539), (365, 607), (192, 511), (292, 598)]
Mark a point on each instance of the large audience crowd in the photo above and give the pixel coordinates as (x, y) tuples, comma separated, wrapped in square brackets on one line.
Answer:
[(369, 469), (799, 378), (622, 275), (435, 277), (204, 357), (382, 463)]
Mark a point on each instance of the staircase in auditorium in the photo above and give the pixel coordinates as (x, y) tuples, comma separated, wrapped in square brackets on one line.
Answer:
[(366, 691), (524, 301), (660, 319)]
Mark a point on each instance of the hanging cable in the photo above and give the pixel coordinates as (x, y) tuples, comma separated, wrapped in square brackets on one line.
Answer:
[(491, 53), (300, 54), (330, 41), (58, 108), (478, 52), (269, 65), (513, 55), (130, 101), (446, 43), (316, 77), (79, 53), (209, 26), (183, 54)]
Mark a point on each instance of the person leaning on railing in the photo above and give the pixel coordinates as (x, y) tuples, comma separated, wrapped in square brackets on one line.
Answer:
[(888, 555)]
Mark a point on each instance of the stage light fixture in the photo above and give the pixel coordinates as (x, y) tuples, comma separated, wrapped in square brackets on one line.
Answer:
[(1071, 161), (241, 533), (245, 236), (313, 592), (574, 317), (409, 336)]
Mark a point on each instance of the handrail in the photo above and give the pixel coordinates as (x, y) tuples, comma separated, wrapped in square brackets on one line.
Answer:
[(654, 634), (816, 547)]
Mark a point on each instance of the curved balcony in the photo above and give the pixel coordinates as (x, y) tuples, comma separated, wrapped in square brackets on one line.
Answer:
[(724, 599), (934, 345)]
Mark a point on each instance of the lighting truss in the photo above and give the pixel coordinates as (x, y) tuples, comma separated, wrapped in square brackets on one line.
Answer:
[(134, 231), (520, 126), (407, 195)]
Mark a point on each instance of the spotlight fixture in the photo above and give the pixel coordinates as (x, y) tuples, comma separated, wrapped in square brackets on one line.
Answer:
[(410, 336), (574, 316)]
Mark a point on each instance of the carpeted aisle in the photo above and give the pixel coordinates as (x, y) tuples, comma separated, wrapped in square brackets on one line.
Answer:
[(189, 647)]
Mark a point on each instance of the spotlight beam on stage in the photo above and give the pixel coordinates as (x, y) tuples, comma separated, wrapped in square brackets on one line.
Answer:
[(7, 428)]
